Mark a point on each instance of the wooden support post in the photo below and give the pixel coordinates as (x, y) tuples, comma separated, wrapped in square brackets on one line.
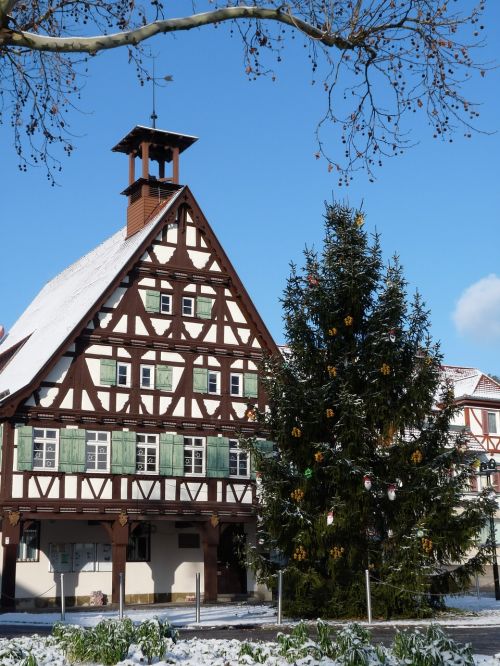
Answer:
[(131, 168), (175, 165), (120, 534), (210, 536), (145, 159), (161, 169), (11, 532)]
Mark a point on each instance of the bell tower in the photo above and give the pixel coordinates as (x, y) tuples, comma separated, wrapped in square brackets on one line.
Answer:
[(149, 191)]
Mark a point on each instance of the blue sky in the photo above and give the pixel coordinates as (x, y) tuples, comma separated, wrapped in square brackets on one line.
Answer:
[(255, 177)]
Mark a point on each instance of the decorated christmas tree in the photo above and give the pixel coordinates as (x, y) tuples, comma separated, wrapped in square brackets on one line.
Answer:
[(365, 472)]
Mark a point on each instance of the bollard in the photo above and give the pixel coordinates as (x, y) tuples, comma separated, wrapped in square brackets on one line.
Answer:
[(120, 615), (280, 596), (198, 598), (63, 600), (368, 596)]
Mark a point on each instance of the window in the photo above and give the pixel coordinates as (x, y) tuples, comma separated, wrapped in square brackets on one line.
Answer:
[(123, 374), (206, 381), (44, 448), (29, 544), (147, 376), (146, 460), (166, 303), (97, 451), (189, 540), (213, 382), (187, 306), (238, 459), (236, 385), (194, 455), (243, 384), (139, 544), (492, 422)]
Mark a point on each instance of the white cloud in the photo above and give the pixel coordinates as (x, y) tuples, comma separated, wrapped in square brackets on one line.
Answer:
[(477, 314)]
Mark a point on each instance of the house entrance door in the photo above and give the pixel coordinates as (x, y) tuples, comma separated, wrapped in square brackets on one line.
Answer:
[(231, 574)]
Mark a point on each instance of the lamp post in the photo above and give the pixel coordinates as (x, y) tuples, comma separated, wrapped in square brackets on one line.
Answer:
[(487, 469)]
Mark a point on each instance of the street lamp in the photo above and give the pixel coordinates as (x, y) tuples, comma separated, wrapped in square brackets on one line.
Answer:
[(487, 469)]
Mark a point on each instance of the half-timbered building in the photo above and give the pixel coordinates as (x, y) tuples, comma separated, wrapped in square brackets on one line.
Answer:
[(124, 389)]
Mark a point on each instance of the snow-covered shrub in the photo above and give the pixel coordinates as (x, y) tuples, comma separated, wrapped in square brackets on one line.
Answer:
[(153, 637), (107, 643), (433, 648)]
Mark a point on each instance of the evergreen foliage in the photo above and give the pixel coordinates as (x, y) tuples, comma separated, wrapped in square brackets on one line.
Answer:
[(358, 400)]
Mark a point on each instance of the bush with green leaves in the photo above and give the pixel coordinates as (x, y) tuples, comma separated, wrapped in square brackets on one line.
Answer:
[(110, 640), (152, 637), (433, 648)]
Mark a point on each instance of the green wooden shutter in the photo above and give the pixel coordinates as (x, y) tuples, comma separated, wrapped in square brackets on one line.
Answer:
[(66, 450), (178, 456), (117, 452), (265, 447), (204, 307), (223, 457), (166, 454), (72, 450), (108, 372), (24, 448), (200, 380), (250, 385), (218, 457), (129, 452), (78, 450), (152, 301), (164, 377)]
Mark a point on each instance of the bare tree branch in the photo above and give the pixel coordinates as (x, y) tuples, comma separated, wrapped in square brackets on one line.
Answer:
[(379, 62)]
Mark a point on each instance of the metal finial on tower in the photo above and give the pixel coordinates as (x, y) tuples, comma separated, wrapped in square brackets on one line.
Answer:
[(153, 115), (168, 79)]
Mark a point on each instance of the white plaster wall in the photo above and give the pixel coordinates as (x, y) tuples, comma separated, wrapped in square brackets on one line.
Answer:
[(172, 233), (164, 253), (236, 313), (199, 259), (59, 371), (190, 236), (115, 298), (160, 325), (147, 282), (47, 396), (121, 326), (100, 350)]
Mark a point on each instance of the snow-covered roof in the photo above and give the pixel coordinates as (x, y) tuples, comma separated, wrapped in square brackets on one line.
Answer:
[(63, 302), (471, 382)]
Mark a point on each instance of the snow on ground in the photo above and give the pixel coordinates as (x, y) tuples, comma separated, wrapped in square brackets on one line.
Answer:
[(209, 652), (471, 611)]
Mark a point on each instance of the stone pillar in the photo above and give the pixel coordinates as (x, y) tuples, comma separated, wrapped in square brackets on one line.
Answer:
[(11, 533)]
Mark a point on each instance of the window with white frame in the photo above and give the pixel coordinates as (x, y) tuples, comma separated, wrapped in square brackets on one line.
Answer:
[(187, 306), (166, 303), (238, 459), (147, 376), (29, 543), (236, 384), (123, 374), (146, 454), (213, 382), (44, 448), (194, 455), (97, 451), (493, 422)]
